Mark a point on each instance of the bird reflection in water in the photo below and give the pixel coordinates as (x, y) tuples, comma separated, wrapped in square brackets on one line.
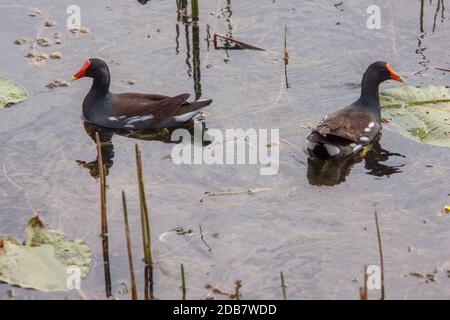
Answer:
[(335, 171), (105, 135)]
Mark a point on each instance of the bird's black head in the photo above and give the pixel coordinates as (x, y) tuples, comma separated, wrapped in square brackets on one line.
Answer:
[(381, 71), (92, 68)]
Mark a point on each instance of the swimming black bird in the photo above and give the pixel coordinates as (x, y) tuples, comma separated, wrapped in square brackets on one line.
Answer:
[(346, 131), (132, 111)]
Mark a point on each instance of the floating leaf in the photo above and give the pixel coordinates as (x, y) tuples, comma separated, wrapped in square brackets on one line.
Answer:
[(421, 113), (42, 261), (11, 92)]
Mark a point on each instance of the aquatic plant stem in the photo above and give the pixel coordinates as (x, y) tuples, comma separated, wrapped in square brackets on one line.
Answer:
[(283, 285), (237, 290), (194, 12), (380, 248), (286, 54), (183, 283), (363, 292), (286, 57), (143, 206), (196, 61), (101, 170), (145, 224), (134, 295), (104, 222)]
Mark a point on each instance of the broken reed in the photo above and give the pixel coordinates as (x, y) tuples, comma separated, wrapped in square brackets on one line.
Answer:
[(145, 224), (238, 45), (104, 222), (442, 69), (183, 283), (363, 292), (286, 54), (237, 290), (286, 57), (283, 285), (380, 249), (134, 295), (194, 11), (101, 171)]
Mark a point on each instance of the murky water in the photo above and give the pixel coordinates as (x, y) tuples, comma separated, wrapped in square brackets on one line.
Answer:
[(319, 236)]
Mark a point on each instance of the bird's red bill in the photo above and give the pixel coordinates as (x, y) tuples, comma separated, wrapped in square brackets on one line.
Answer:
[(394, 75), (82, 71)]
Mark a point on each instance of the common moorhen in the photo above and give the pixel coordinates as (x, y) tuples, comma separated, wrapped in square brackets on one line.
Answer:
[(132, 111), (344, 132)]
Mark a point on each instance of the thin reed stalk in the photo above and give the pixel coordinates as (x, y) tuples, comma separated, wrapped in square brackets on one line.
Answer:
[(194, 11), (196, 61), (286, 54), (104, 222), (101, 170), (144, 211), (145, 224), (183, 283), (363, 292), (380, 248), (286, 57), (148, 280), (134, 295), (283, 285)]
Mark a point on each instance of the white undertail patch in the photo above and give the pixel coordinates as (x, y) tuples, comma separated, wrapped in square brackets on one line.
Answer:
[(364, 139), (332, 150), (185, 117)]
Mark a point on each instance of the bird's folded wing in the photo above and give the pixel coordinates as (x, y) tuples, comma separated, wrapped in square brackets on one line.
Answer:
[(350, 123), (146, 104)]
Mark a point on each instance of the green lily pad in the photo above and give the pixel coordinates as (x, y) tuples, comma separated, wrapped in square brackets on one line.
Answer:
[(421, 113), (42, 261)]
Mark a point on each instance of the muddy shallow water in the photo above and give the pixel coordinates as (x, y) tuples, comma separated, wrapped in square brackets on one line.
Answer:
[(319, 236)]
